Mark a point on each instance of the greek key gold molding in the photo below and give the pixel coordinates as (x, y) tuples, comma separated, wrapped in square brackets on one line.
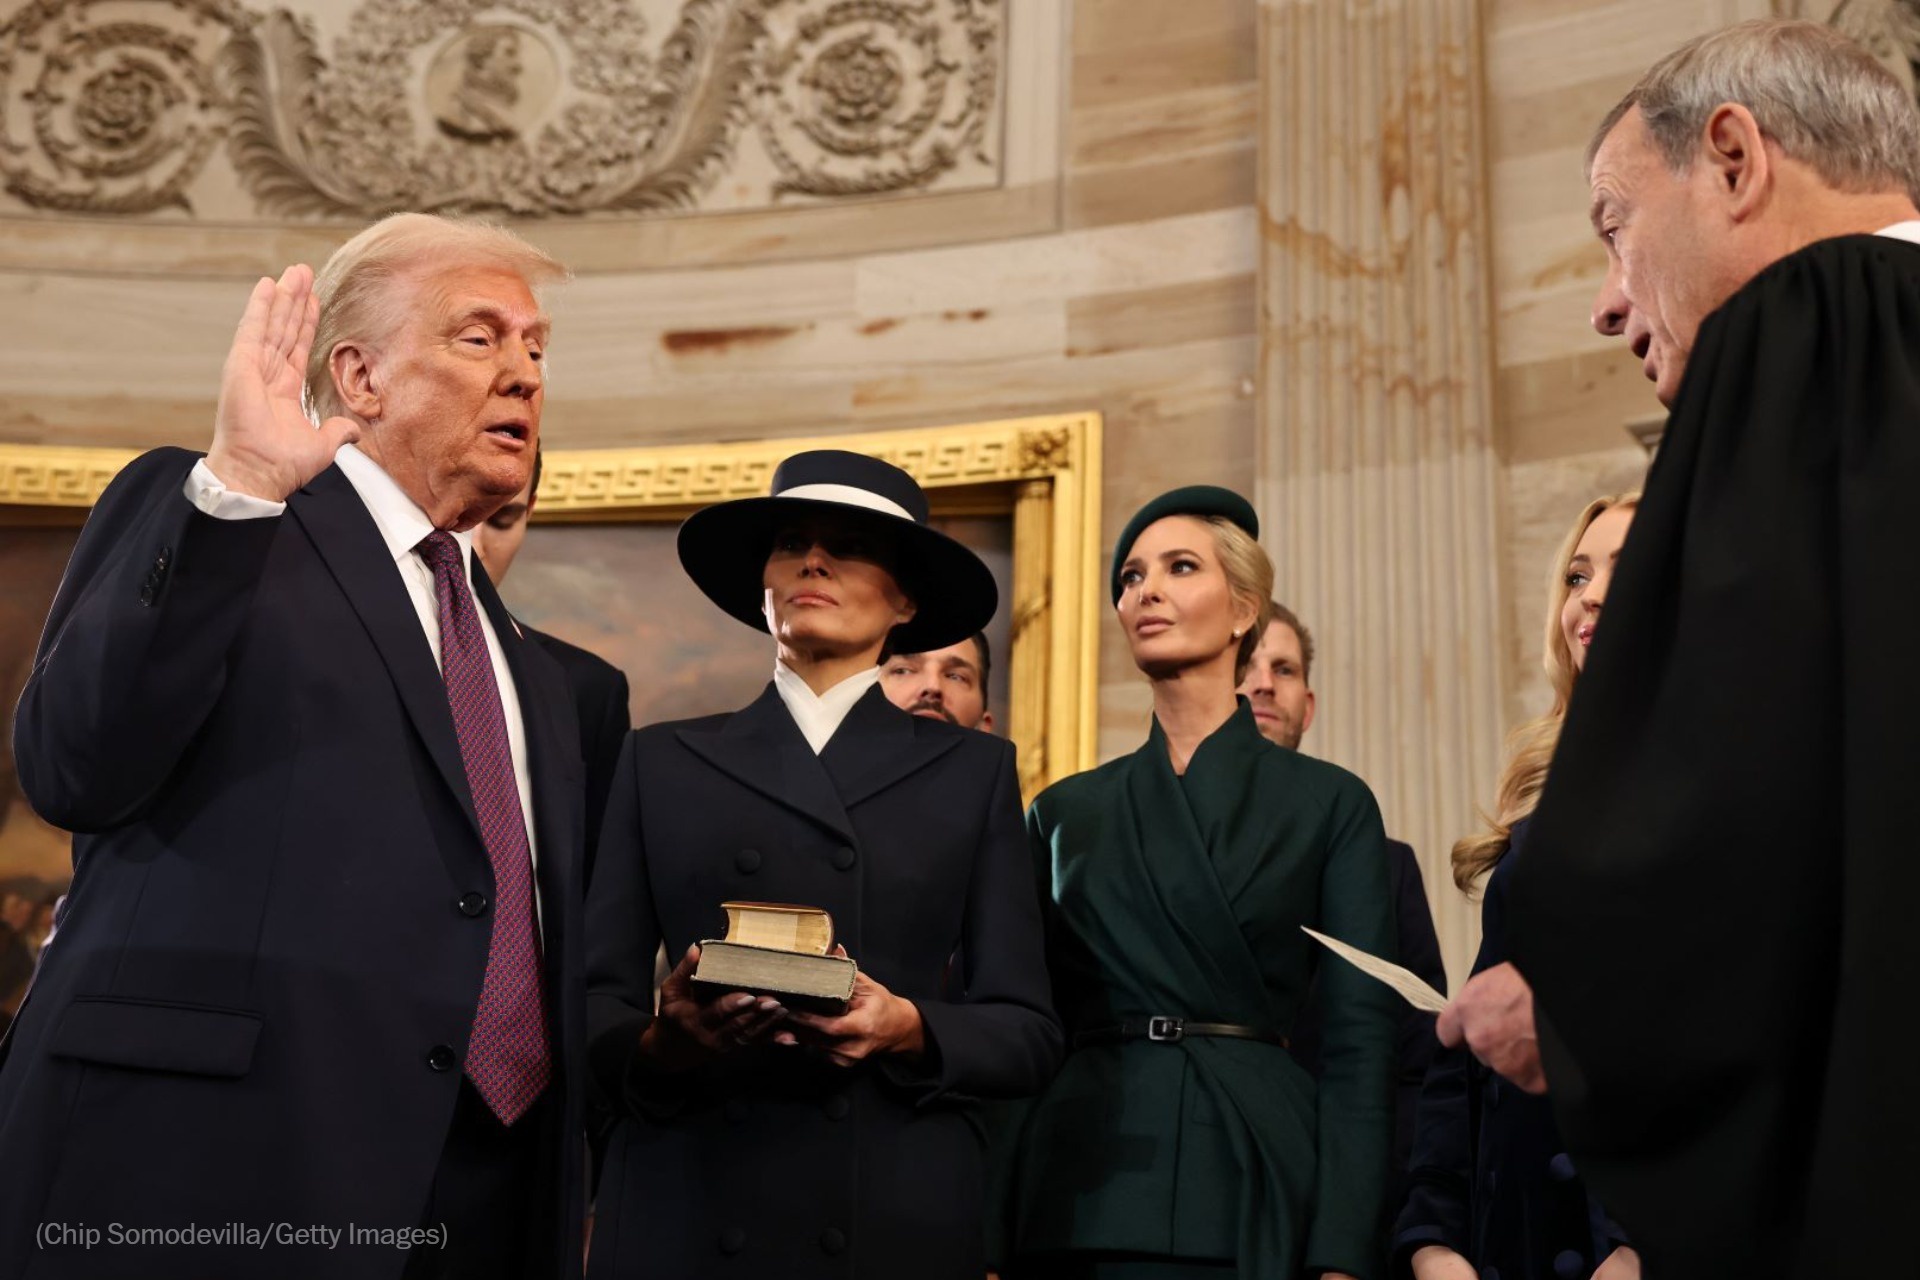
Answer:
[(1044, 471), (611, 480), (49, 476)]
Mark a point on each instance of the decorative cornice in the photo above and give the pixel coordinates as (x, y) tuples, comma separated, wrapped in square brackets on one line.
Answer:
[(681, 476), (535, 108), (51, 476), (669, 477)]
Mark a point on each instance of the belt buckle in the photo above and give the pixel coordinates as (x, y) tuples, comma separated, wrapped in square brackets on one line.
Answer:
[(1165, 1030)]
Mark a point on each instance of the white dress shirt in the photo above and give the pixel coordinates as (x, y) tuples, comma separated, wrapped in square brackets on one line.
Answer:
[(403, 525), (818, 715), (1902, 231)]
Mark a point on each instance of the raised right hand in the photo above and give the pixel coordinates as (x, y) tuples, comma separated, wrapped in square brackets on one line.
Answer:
[(687, 1031), (1437, 1262), (263, 442)]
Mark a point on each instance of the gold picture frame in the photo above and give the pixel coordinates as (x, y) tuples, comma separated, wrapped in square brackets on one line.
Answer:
[(1042, 472)]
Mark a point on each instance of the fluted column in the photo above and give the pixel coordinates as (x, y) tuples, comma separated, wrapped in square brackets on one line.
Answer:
[(1377, 480)]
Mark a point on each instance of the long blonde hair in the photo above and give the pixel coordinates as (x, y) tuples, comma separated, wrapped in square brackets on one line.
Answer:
[(1530, 747)]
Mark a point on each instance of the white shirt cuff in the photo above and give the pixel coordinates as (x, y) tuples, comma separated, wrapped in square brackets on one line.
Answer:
[(204, 490)]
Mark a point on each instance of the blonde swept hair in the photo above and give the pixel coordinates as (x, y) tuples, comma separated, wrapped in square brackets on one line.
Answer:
[(359, 300), (1530, 747), (1249, 574)]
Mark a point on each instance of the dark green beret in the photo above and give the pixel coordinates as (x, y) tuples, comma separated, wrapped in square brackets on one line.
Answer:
[(1194, 500)]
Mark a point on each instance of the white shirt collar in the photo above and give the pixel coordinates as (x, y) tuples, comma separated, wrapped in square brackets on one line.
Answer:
[(819, 715), (402, 524), (1902, 231)]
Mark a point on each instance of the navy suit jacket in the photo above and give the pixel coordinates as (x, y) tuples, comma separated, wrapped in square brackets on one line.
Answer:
[(600, 698), (259, 997)]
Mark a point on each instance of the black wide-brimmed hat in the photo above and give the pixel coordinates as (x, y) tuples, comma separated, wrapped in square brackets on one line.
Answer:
[(1194, 500), (724, 548)]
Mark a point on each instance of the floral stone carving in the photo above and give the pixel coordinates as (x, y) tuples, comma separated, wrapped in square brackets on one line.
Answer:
[(529, 107)]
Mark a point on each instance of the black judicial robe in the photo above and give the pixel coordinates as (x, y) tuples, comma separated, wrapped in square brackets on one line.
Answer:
[(1184, 895), (1717, 912), (772, 1162)]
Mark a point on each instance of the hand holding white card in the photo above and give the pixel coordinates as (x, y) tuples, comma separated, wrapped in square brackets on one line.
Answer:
[(1411, 988)]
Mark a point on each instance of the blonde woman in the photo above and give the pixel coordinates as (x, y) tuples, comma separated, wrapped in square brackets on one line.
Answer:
[(1492, 1192), (1181, 1140)]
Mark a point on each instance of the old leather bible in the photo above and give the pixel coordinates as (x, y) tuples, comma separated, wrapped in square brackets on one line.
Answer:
[(779, 950)]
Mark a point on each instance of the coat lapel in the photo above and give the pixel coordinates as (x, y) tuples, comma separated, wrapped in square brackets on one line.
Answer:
[(877, 745), (342, 529), (1167, 845), (762, 748)]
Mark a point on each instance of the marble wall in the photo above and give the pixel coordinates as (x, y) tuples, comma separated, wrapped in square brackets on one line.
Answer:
[(1566, 398)]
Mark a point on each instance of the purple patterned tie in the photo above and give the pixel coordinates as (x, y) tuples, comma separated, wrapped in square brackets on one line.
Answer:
[(507, 1056)]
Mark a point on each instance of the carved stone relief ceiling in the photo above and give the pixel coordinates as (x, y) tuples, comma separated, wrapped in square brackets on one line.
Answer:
[(1889, 29), (216, 110)]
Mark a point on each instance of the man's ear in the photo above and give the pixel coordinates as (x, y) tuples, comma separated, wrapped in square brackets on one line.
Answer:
[(1735, 153), (1306, 717), (986, 722), (354, 381)]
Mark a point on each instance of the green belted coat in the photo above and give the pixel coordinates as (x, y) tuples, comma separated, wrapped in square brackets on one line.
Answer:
[(1183, 895)]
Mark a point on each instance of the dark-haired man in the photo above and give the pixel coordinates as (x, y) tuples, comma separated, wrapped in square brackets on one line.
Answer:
[(948, 684)]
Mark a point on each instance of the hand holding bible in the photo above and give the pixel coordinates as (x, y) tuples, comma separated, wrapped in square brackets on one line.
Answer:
[(690, 1030), (876, 1022)]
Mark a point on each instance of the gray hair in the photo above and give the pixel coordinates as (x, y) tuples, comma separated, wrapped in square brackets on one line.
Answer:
[(356, 287), (1820, 96)]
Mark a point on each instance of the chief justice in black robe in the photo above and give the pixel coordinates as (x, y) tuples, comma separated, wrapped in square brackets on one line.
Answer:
[(1716, 920)]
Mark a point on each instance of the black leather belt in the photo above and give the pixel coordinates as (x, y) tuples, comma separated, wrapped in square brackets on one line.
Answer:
[(1164, 1030)]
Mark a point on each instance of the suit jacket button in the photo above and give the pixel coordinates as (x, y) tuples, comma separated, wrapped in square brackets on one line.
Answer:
[(146, 595), (1569, 1265), (838, 1108), (472, 904), (747, 861), (833, 1240), (160, 561), (733, 1239), (440, 1058), (843, 858), (1560, 1168), (735, 1111)]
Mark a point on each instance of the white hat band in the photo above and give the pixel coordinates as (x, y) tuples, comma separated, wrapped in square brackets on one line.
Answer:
[(846, 495)]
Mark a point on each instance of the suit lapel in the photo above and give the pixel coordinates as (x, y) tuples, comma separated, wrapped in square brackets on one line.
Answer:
[(762, 748), (542, 689), (343, 531), (877, 745)]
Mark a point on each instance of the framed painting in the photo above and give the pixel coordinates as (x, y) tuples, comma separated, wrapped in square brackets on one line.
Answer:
[(599, 570)]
